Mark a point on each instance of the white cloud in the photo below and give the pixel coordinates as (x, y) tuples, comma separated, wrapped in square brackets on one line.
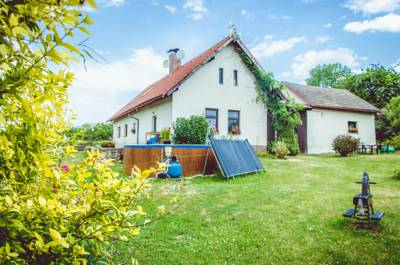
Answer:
[(269, 48), (322, 39), (328, 25), (372, 6), (279, 17), (303, 63), (171, 9), (196, 8), (246, 14), (94, 93), (389, 22), (114, 2), (103, 3)]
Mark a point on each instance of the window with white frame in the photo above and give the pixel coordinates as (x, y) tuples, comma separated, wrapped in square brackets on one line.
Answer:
[(212, 117), (234, 122)]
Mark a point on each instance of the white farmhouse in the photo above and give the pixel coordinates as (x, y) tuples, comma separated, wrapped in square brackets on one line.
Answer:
[(219, 85)]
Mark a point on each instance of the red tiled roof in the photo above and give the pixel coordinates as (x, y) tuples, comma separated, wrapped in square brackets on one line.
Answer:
[(159, 89)]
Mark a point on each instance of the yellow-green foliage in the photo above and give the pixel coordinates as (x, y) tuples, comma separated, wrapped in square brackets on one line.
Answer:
[(34, 34), (64, 216), (280, 149), (48, 213)]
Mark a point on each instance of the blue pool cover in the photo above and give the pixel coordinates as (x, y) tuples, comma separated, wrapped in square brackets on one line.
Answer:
[(235, 157)]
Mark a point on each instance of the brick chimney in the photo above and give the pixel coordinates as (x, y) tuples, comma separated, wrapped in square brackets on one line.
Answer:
[(174, 62)]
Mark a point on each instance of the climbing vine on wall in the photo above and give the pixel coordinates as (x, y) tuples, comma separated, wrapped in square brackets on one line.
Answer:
[(285, 113)]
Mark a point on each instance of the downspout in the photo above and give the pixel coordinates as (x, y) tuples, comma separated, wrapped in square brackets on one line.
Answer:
[(137, 121)]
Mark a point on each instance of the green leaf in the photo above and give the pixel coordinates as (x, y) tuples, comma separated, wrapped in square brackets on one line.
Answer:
[(70, 47), (87, 20), (20, 30), (13, 20), (91, 3), (3, 49), (84, 30)]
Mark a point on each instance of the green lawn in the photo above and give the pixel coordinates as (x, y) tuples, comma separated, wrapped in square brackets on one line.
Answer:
[(291, 213)]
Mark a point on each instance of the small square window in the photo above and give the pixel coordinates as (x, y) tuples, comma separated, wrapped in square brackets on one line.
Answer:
[(352, 127)]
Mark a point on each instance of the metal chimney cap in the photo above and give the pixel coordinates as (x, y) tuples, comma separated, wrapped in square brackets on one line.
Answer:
[(175, 50)]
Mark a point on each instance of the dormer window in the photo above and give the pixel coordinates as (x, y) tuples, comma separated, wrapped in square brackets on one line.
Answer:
[(221, 76)]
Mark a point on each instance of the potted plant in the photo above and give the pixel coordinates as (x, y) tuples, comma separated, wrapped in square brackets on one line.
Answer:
[(235, 130), (353, 130), (165, 136)]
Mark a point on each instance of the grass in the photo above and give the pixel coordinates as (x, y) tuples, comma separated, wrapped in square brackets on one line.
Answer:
[(291, 213)]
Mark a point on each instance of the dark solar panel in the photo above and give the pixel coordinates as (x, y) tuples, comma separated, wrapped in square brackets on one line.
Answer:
[(235, 157)]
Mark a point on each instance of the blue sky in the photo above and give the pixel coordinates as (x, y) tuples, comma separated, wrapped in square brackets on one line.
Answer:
[(287, 37)]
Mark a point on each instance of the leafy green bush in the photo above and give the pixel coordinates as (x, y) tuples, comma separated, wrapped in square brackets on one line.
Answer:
[(262, 154), (91, 132), (106, 144), (292, 144), (345, 144), (52, 212), (395, 142), (64, 216), (191, 130), (280, 149)]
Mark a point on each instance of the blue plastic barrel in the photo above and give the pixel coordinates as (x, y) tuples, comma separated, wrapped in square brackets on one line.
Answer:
[(175, 170)]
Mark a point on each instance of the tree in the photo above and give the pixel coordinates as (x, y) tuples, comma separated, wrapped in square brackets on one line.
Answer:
[(328, 75), (394, 114), (91, 132), (52, 213), (376, 85)]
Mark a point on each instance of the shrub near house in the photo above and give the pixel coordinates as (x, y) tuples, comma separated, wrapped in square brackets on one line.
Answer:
[(345, 144), (191, 130)]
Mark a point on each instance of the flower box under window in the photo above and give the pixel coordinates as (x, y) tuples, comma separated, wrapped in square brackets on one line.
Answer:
[(352, 127)]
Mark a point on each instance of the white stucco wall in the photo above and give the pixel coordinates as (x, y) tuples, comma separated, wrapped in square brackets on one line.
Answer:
[(202, 90), (324, 125), (162, 110)]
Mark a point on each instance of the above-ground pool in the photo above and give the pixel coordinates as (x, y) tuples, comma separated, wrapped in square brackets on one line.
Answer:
[(193, 157)]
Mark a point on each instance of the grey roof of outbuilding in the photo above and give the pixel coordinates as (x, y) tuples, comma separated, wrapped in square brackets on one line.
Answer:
[(330, 98)]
